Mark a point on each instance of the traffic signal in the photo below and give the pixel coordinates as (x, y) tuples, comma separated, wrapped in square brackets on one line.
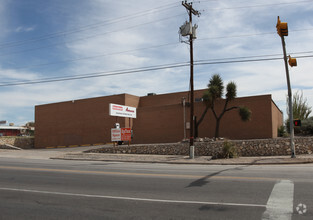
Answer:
[(292, 61), (282, 28), (297, 123)]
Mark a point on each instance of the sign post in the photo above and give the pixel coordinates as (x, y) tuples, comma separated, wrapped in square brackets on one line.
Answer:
[(122, 134)]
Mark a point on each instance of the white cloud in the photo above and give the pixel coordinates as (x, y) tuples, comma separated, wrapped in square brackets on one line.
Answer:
[(24, 29), (108, 41)]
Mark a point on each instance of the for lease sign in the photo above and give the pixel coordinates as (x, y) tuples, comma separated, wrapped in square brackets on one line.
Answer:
[(122, 111), (115, 134), (126, 134), (121, 134)]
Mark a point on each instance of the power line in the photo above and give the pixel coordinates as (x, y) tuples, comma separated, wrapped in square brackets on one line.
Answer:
[(143, 69), (92, 36), (95, 75), (200, 39), (127, 17), (261, 5), (96, 56), (86, 27)]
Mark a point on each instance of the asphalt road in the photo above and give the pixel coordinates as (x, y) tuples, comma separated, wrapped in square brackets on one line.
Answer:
[(54, 189)]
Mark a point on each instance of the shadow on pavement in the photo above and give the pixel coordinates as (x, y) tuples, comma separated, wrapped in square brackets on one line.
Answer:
[(204, 180)]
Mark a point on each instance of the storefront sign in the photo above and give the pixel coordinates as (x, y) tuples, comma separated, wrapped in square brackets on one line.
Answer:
[(122, 111)]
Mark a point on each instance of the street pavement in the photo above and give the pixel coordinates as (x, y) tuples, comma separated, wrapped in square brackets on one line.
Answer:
[(74, 189), (108, 186)]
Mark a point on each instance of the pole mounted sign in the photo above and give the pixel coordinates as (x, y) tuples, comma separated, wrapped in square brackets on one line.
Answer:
[(121, 134), (115, 134), (122, 111)]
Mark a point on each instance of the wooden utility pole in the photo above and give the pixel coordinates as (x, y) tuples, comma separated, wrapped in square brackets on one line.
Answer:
[(191, 12)]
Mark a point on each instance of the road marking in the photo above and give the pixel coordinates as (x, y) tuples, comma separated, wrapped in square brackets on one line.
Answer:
[(131, 198), (138, 174), (280, 202)]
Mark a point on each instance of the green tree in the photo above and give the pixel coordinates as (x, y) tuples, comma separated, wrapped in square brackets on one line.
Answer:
[(214, 94), (300, 108)]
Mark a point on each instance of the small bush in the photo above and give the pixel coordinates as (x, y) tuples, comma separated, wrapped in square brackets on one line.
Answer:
[(229, 150), (307, 126), (281, 132)]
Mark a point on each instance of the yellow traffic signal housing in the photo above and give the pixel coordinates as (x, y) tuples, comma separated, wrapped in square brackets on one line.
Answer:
[(282, 28), (292, 61)]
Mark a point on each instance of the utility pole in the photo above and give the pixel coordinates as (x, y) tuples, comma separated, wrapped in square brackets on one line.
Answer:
[(282, 30), (191, 34)]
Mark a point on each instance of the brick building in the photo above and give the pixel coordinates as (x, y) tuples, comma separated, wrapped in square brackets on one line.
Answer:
[(11, 131), (160, 119)]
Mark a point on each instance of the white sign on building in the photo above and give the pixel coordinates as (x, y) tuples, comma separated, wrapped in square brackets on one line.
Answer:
[(122, 111)]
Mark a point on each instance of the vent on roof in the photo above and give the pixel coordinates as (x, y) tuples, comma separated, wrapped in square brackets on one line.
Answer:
[(151, 94)]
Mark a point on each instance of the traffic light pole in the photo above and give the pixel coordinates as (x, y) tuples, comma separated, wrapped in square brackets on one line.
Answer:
[(292, 144)]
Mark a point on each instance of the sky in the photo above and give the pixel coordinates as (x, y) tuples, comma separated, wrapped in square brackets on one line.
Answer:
[(133, 46)]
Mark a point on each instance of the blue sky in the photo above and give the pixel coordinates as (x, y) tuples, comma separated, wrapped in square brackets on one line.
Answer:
[(54, 38)]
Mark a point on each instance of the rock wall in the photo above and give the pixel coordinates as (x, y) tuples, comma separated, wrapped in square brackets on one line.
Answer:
[(259, 147), (21, 142)]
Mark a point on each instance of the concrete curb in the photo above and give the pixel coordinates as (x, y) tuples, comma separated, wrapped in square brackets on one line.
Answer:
[(190, 163), (201, 160)]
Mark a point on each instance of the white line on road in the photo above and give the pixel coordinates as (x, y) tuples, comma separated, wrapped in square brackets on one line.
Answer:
[(132, 198), (280, 202)]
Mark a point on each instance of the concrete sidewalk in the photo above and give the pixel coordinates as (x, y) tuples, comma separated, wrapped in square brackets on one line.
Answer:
[(78, 154)]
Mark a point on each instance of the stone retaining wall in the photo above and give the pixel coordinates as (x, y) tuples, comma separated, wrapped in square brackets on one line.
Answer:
[(259, 147), (21, 142)]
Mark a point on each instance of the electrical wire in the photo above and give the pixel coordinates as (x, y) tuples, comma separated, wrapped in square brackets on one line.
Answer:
[(111, 21), (198, 39), (86, 27), (92, 36), (261, 5), (138, 70)]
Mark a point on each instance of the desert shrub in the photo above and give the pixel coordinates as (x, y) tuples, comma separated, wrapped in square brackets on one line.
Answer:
[(229, 150), (281, 131)]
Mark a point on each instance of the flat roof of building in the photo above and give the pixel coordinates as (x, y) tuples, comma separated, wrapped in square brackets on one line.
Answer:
[(12, 127)]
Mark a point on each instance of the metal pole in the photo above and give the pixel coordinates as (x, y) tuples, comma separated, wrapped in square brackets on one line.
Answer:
[(292, 145)]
